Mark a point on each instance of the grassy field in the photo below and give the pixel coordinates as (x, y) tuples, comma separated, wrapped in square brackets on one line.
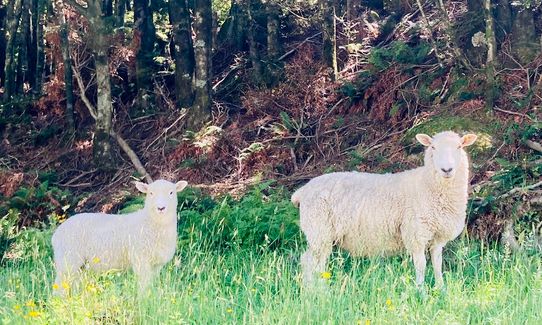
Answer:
[(484, 285)]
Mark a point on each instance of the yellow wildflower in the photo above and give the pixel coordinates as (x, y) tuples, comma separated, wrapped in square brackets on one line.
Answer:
[(326, 275), (96, 260), (34, 313), (88, 314), (91, 288), (30, 303), (65, 285), (55, 286), (388, 302), (17, 307), (367, 322), (229, 310)]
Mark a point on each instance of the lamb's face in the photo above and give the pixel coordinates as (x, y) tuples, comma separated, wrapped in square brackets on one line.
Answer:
[(445, 152), (161, 197)]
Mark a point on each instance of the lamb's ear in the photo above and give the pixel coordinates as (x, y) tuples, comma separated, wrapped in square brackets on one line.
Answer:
[(142, 187), (468, 139), (180, 185), (424, 139)]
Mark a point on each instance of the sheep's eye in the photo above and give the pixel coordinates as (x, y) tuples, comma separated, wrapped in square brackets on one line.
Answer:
[(171, 193), (433, 147), (151, 193)]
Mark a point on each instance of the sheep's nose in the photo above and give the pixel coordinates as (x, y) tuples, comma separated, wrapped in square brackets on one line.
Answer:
[(161, 209), (446, 170)]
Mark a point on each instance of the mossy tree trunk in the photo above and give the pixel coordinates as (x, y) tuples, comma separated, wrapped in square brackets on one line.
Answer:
[(525, 43), (182, 50), (99, 30), (14, 11), (491, 55), (254, 51), (2, 42), (274, 48), (329, 32), (203, 21), (38, 21), (68, 74), (145, 32)]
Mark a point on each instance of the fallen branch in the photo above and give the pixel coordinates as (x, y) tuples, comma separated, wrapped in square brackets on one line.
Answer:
[(519, 189), (513, 113), (287, 54), (122, 143), (534, 145)]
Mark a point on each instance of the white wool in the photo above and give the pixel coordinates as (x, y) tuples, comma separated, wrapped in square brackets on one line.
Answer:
[(385, 214), (143, 241)]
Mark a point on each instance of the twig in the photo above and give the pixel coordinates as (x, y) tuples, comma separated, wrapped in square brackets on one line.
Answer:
[(181, 116), (513, 113), (122, 143), (287, 54), (520, 189)]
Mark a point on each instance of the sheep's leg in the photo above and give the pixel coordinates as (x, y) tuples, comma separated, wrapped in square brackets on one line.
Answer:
[(418, 257), (144, 273), (314, 262), (436, 259), (68, 269)]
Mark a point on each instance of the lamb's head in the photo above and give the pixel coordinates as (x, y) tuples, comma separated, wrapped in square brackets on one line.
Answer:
[(161, 199), (445, 153)]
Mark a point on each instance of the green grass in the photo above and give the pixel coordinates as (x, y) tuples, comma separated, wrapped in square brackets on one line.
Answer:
[(484, 285)]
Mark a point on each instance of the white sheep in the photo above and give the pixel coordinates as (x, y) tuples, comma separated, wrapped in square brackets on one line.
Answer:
[(385, 214), (144, 240)]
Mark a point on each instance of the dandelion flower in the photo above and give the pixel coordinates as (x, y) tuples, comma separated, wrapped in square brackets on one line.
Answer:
[(388, 302), (55, 286), (34, 313), (367, 322), (17, 307), (229, 310), (91, 288), (96, 260), (326, 275), (65, 285)]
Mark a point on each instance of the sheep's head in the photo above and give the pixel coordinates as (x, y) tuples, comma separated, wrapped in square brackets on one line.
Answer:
[(445, 152), (161, 200)]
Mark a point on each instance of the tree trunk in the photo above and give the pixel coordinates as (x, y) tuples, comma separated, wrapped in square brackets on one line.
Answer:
[(14, 11), (254, 53), (23, 40), (525, 44), (329, 49), (2, 43), (146, 32), (273, 41), (491, 55), (182, 51), (201, 110), (37, 59), (68, 74)]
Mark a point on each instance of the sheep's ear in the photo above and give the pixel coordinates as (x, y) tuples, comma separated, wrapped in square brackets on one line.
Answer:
[(180, 185), (142, 187), (468, 139), (424, 139)]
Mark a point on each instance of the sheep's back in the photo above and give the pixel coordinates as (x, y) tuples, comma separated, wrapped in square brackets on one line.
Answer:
[(364, 210)]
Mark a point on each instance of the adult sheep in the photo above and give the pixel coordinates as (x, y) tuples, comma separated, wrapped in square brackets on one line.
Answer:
[(144, 240), (385, 214)]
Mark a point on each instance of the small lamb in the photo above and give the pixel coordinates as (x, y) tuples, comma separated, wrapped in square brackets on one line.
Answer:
[(144, 240), (384, 214)]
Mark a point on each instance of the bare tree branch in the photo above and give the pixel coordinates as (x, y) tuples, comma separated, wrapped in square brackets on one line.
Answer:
[(122, 143), (534, 145)]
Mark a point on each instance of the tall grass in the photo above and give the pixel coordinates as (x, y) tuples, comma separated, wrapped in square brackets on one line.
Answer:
[(484, 285)]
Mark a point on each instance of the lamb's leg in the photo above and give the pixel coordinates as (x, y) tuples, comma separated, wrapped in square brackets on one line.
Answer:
[(314, 261), (418, 257), (436, 259), (144, 273), (68, 269)]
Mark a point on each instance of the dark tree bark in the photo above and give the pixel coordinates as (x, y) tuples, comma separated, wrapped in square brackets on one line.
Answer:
[(14, 10), (183, 52), (254, 52), (329, 29), (146, 34), (203, 20), (23, 46), (273, 30), (525, 43), (68, 74), (2, 42), (491, 54), (120, 12), (38, 45)]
